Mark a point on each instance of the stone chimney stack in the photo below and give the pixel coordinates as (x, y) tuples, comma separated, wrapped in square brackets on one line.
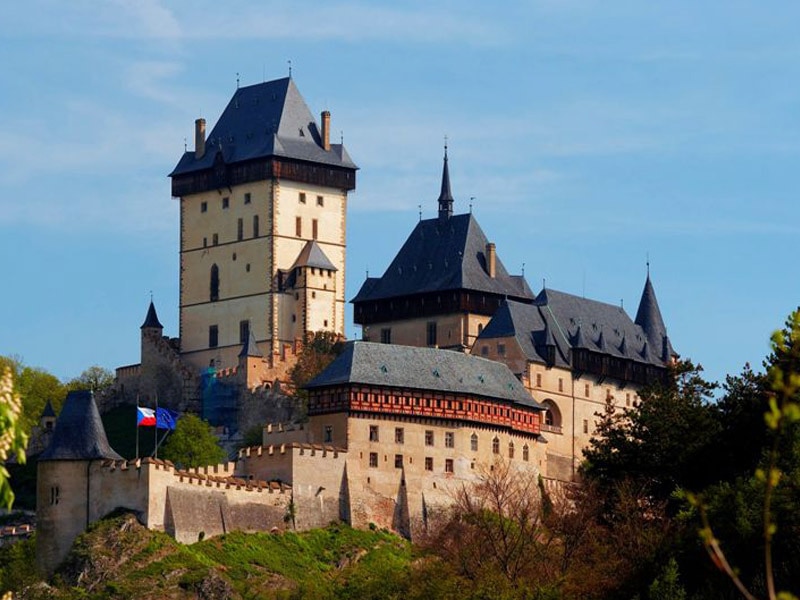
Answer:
[(326, 129), (491, 259), (199, 138)]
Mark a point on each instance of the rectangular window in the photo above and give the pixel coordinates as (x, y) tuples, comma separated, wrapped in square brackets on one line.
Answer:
[(429, 463), (473, 443), (501, 349), (328, 435), (213, 336), (398, 461), (225, 202), (386, 335), (240, 229), (298, 227), (627, 399), (586, 390), (247, 198), (586, 426), (448, 465), (525, 453), (428, 437), (244, 331), (214, 239), (538, 380), (373, 459), (320, 201), (302, 197), (203, 207), (313, 228), (560, 384), (54, 495), (484, 350), (255, 226), (449, 439), (373, 433), (399, 435), (205, 242), (432, 333)]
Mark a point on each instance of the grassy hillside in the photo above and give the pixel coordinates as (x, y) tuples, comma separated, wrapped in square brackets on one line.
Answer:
[(118, 558)]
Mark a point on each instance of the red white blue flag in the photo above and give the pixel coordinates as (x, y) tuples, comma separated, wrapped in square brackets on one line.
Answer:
[(145, 417)]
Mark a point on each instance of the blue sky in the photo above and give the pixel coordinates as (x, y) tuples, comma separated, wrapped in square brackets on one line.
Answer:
[(591, 134)]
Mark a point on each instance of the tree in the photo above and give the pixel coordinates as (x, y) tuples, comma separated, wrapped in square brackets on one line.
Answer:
[(319, 350), (193, 444), (36, 387), (94, 378), (12, 438)]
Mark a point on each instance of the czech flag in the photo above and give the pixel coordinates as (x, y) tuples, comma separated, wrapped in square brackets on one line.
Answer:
[(165, 418), (145, 417)]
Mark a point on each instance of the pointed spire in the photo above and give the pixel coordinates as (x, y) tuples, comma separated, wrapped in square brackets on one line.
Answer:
[(250, 347), (48, 410), (151, 320), (648, 317), (445, 196), (79, 433)]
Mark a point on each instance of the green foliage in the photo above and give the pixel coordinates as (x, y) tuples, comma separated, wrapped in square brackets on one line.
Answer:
[(319, 350), (93, 378), (12, 437), (193, 444), (35, 386), (18, 565), (667, 585)]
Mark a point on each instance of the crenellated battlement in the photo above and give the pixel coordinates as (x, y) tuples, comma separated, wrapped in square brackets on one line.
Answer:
[(280, 449)]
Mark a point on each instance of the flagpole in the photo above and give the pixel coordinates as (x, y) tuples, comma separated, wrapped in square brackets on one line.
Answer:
[(137, 426), (155, 431)]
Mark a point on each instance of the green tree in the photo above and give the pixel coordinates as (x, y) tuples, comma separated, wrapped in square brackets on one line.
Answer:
[(193, 444), (94, 378), (12, 437), (36, 387), (667, 585), (319, 350)]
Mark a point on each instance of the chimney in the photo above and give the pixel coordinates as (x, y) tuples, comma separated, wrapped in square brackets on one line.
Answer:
[(490, 259), (326, 130), (199, 138)]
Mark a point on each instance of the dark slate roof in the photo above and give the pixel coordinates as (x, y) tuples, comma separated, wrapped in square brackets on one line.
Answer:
[(442, 255), (313, 256), (648, 317), (48, 410), (568, 321), (250, 347), (266, 119), (79, 433), (151, 320), (445, 196), (411, 367)]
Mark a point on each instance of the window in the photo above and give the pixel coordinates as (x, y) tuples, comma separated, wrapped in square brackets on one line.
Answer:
[(627, 399), (247, 267), (373, 459), (225, 202), (398, 461), (449, 439), (473, 442), (320, 201), (244, 331), (214, 239), (240, 229), (327, 436), (480, 328), (54, 495), (203, 207), (428, 437), (501, 349), (432, 333), (586, 426), (399, 435), (255, 226), (495, 446), (552, 415), (214, 284), (560, 384), (510, 449), (247, 198), (205, 242), (298, 227), (525, 453), (386, 335), (448, 465), (313, 228), (302, 197), (484, 350), (213, 336), (373, 433), (429, 463), (586, 390), (538, 380)]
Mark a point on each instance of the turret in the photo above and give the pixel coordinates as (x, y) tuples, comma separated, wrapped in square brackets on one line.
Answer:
[(648, 317), (445, 196)]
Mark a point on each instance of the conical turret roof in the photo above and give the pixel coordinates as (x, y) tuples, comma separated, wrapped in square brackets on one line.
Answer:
[(648, 317), (79, 433), (151, 320), (445, 196), (250, 347)]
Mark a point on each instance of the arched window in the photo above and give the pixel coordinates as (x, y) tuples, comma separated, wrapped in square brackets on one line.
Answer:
[(495, 445), (552, 416), (510, 449), (473, 442), (214, 283), (525, 453)]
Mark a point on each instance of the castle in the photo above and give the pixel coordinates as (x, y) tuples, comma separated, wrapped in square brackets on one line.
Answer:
[(461, 364)]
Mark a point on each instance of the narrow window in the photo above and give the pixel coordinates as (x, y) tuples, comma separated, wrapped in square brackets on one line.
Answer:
[(386, 335), (214, 239), (501, 349), (298, 227), (525, 453), (495, 446), (398, 461), (429, 437), (203, 207), (313, 228), (320, 201), (214, 283), (213, 336), (510, 449), (560, 384), (432, 333), (399, 435), (302, 197), (255, 226), (54, 495), (328, 435), (247, 198), (480, 328), (473, 442), (586, 390), (484, 350), (244, 331), (240, 229), (538, 380), (205, 242), (586, 426), (373, 459), (448, 465), (627, 399), (225, 202), (449, 439), (429, 463), (373, 433)]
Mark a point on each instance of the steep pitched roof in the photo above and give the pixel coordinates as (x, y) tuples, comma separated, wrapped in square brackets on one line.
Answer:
[(410, 367), (151, 320), (648, 317), (445, 196), (266, 119), (569, 321), (79, 432), (250, 347), (313, 256), (442, 255), (48, 411)]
